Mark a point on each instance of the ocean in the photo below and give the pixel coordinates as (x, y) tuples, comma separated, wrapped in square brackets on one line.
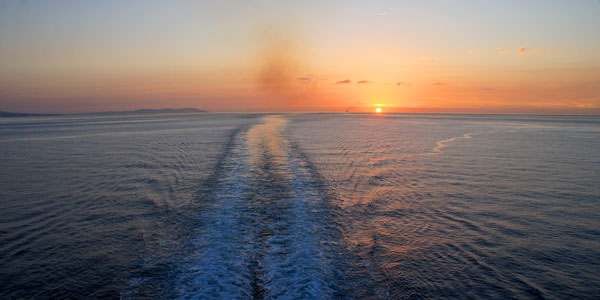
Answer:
[(300, 206)]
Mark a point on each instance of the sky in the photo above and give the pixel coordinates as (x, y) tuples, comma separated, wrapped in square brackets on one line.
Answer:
[(403, 56)]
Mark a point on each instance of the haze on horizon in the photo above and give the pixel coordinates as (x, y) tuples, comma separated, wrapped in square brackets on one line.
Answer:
[(407, 56)]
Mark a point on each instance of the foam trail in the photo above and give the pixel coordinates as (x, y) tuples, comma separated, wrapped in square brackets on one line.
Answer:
[(302, 271), (444, 143), (219, 268), (266, 235)]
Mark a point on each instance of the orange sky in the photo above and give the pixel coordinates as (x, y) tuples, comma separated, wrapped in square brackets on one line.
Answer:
[(410, 56)]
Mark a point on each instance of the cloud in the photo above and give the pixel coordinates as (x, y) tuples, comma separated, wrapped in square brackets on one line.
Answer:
[(363, 81), (524, 50), (279, 60), (344, 81), (399, 83), (383, 13), (585, 105), (440, 83), (488, 89), (310, 78)]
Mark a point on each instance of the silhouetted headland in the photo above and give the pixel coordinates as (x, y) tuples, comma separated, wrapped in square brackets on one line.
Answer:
[(5, 114), (145, 111)]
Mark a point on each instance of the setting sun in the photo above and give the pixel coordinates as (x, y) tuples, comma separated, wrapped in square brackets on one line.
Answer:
[(378, 109)]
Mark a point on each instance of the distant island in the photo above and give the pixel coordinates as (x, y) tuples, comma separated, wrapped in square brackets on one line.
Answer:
[(4, 114), (150, 111)]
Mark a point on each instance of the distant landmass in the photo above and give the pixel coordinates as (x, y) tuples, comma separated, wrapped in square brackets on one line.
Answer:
[(150, 111), (4, 114)]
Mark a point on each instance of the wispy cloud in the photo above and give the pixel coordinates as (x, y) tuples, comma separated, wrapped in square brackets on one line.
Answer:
[(305, 79), (523, 50), (383, 13), (586, 105), (440, 83), (363, 81), (344, 81)]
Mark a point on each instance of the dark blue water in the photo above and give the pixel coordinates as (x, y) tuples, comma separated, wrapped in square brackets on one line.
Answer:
[(300, 206)]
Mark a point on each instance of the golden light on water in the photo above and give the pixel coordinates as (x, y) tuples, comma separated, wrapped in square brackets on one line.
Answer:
[(378, 110)]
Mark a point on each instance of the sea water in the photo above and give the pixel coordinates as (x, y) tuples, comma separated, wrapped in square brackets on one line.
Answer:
[(300, 206)]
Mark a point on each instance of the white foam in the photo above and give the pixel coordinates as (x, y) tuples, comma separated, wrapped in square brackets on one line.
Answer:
[(218, 269), (444, 143), (291, 261)]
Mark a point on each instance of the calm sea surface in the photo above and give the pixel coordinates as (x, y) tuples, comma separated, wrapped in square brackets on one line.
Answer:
[(300, 206)]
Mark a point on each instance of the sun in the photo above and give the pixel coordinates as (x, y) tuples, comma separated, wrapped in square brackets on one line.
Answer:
[(378, 109)]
